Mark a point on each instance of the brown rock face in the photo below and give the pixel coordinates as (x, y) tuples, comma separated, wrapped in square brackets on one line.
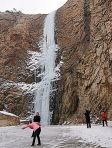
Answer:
[(19, 33), (84, 33)]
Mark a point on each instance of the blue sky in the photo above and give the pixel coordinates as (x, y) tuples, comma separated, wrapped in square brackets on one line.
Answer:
[(31, 6)]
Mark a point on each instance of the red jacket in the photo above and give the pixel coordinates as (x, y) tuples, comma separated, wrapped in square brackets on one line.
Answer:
[(104, 116)]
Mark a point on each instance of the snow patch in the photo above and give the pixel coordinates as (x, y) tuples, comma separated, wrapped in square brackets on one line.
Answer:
[(7, 113), (97, 135)]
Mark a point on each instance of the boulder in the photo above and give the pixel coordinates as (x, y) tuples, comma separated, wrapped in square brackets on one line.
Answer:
[(8, 119)]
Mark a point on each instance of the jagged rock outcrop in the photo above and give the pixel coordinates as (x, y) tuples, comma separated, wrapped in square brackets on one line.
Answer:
[(19, 34), (84, 35)]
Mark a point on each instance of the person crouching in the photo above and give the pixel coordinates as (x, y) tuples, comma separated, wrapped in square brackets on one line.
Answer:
[(37, 129)]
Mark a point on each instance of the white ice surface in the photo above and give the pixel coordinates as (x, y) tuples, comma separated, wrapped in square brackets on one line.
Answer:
[(58, 137), (97, 134)]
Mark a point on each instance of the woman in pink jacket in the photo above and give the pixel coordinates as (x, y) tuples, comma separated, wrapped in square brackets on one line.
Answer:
[(37, 129)]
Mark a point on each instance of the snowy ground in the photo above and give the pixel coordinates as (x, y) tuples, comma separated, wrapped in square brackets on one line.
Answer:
[(58, 137)]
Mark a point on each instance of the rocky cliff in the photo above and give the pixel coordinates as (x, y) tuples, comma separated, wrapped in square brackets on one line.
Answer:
[(84, 35), (19, 34)]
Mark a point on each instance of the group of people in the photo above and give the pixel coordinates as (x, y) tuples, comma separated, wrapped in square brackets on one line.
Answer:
[(103, 118), (35, 125)]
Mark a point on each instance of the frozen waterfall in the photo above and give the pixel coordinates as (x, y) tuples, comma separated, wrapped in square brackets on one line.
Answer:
[(48, 71)]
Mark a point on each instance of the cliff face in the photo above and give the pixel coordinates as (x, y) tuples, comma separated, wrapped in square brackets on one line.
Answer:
[(19, 34), (84, 35)]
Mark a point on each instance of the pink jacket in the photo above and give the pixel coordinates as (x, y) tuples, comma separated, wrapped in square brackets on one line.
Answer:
[(33, 126)]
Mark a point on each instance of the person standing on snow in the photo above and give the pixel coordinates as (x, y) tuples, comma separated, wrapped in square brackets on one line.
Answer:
[(87, 117), (37, 120), (104, 118), (37, 129), (37, 117)]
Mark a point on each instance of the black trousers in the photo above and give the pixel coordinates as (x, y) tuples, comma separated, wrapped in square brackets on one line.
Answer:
[(36, 134), (105, 121), (88, 122)]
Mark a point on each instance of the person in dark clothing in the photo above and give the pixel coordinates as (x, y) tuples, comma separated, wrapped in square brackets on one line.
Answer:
[(36, 134), (37, 120), (87, 117), (37, 117)]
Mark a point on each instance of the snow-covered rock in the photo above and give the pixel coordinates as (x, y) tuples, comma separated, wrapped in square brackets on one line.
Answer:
[(8, 119)]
